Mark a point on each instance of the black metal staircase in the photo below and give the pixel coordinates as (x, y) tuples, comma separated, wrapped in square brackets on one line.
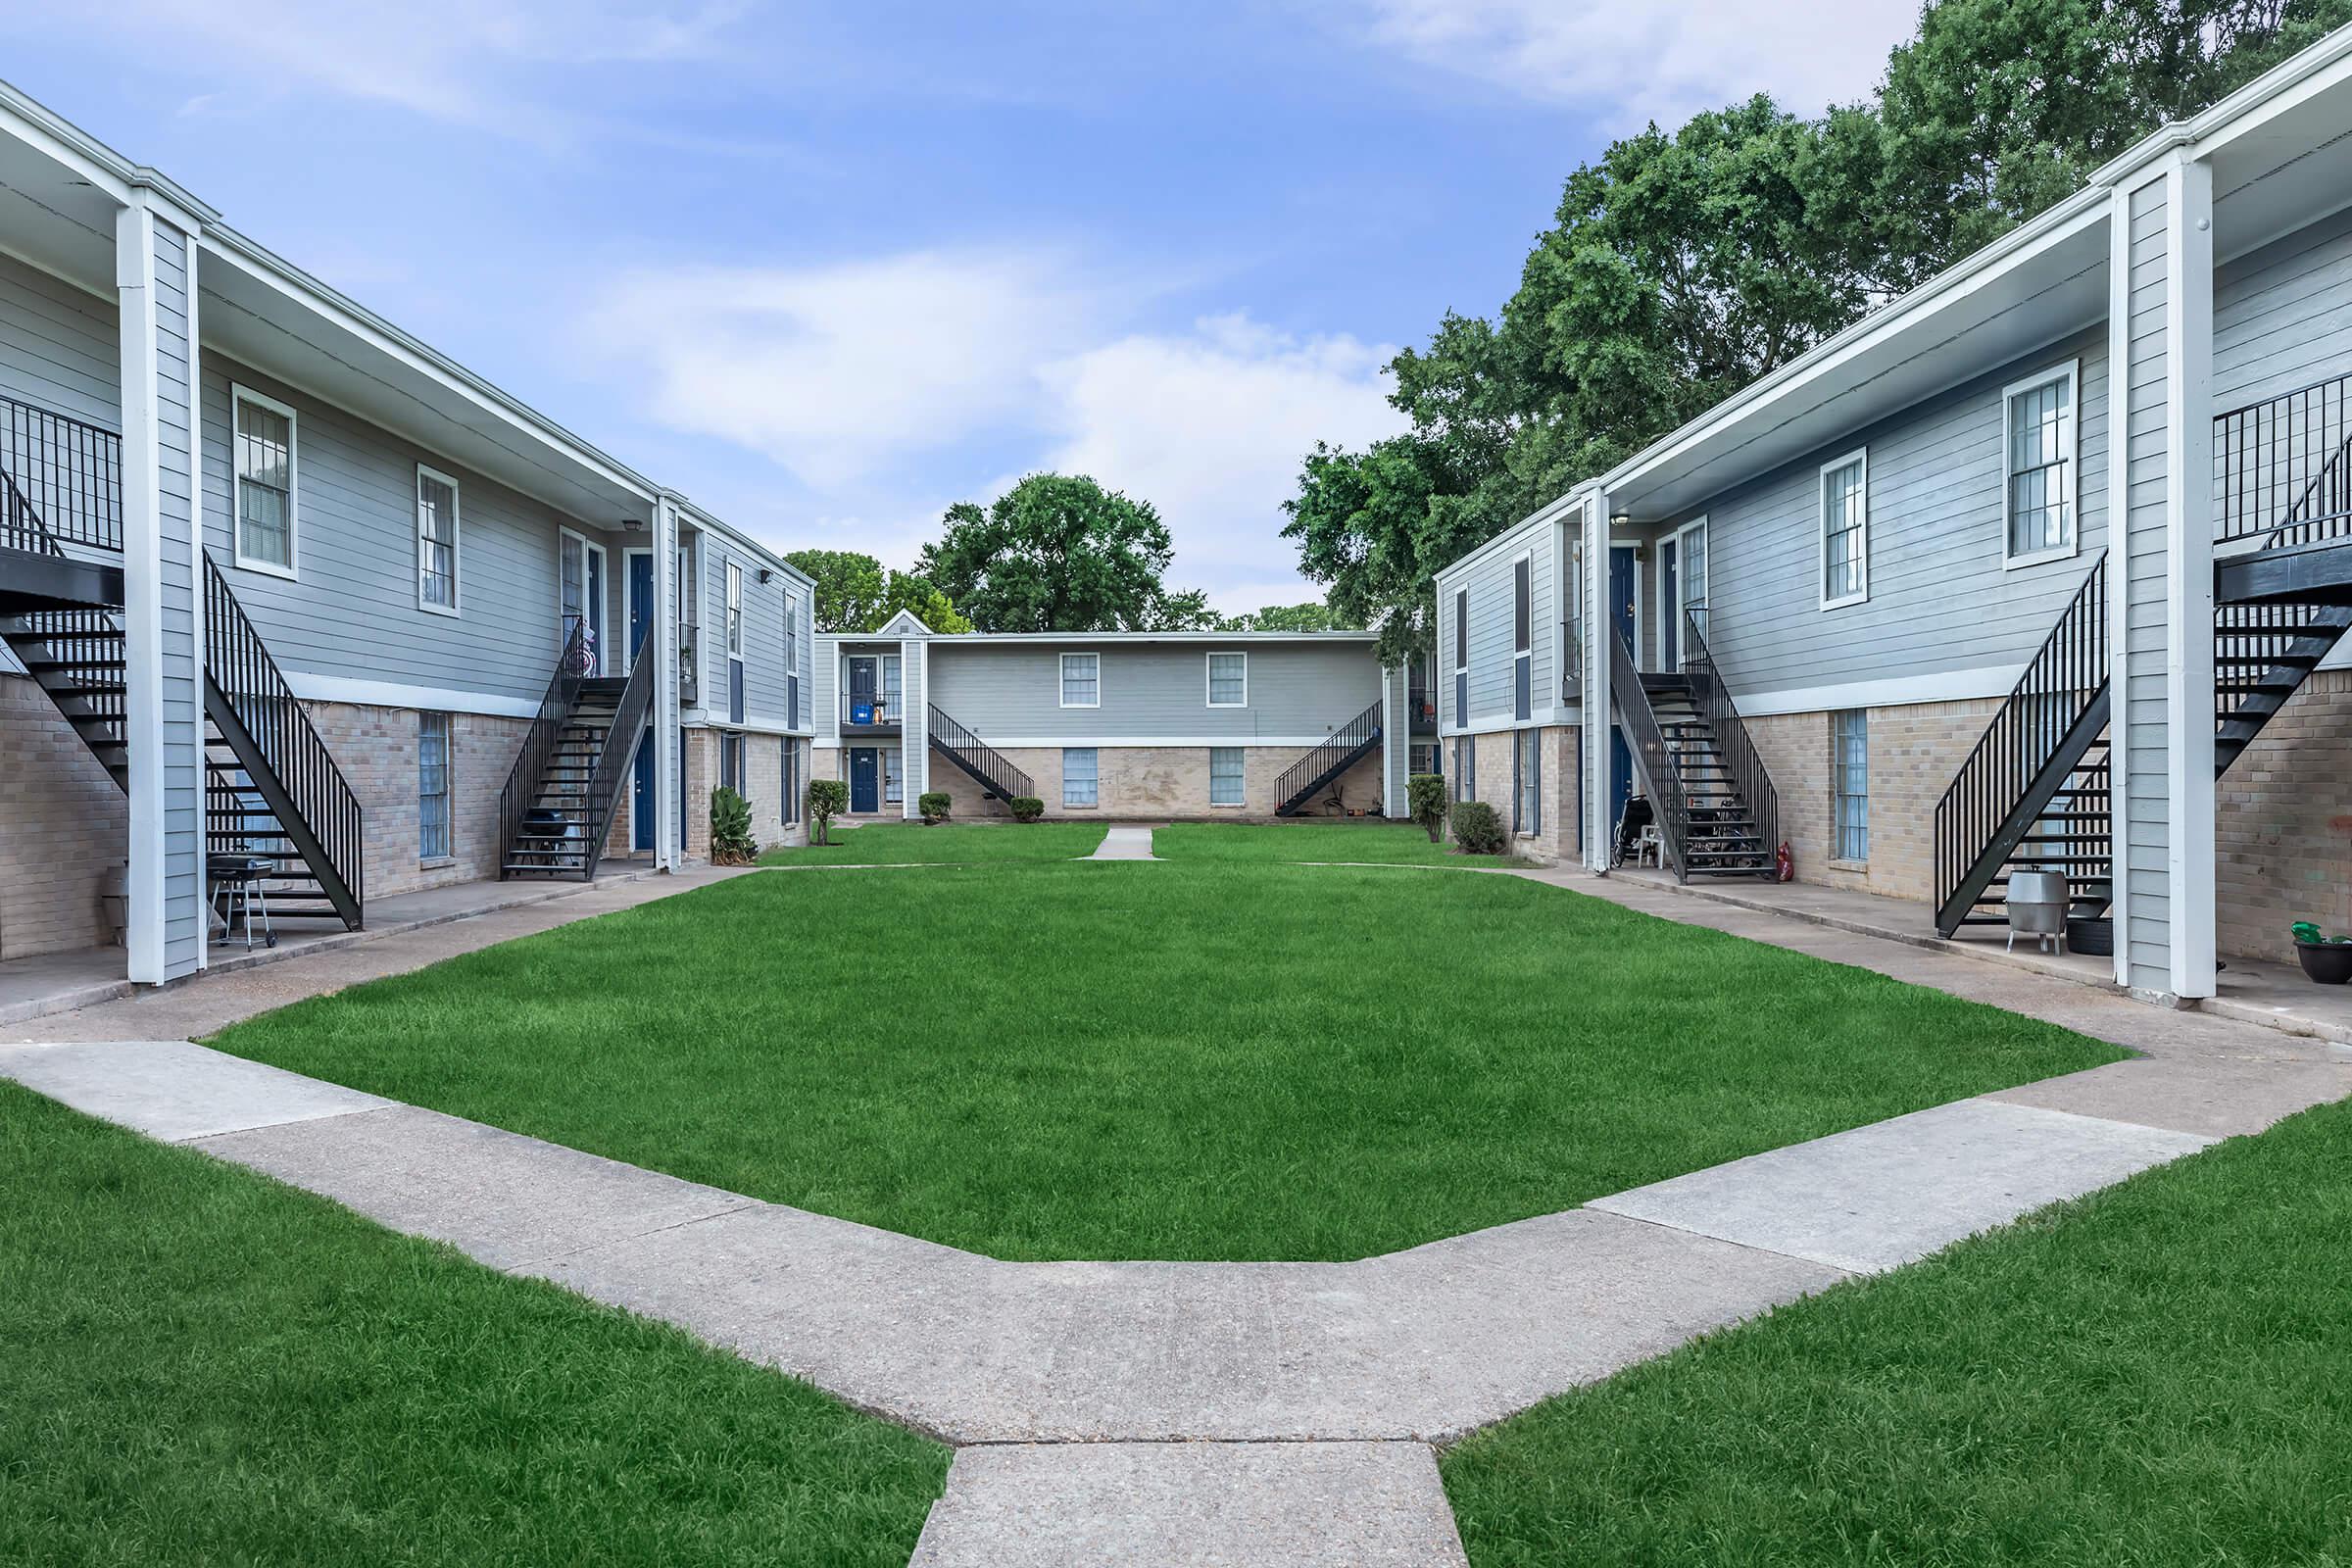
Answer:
[(998, 778), (558, 803), (1717, 811), (1306, 779)]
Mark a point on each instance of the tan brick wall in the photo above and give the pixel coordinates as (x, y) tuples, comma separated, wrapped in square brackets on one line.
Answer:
[(700, 760), (1555, 838), (2283, 826), (1160, 783), (63, 830), (377, 750), (1915, 750)]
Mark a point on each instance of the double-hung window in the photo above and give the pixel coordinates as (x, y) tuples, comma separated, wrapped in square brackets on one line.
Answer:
[(1526, 778), (1850, 784), (792, 659), (734, 609), (1229, 680), (1845, 530), (1461, 660), (1078, 778), (432, 787), (893, 776), (1082, 681), (263, 442), (792, 780), (2038, 478), (436, 542), (1225, 786), (1523, 627), (730, 761), (1466, 767)]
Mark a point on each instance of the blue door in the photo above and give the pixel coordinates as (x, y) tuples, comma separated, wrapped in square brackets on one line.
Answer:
[(641, 796), (641, 600), (1622, 579), (866, 780)]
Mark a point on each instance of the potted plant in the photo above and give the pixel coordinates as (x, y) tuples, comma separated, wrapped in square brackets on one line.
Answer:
[(2326, 960)]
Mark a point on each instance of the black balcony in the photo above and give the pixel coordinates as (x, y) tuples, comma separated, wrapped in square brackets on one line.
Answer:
[(869, 712)]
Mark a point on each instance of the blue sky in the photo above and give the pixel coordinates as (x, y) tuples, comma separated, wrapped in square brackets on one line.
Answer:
[(829, 268)]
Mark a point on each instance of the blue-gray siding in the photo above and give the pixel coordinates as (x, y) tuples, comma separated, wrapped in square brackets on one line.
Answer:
[(1151, 691), (1490, 582), (765, 698), (182, 660), (2146, 801)]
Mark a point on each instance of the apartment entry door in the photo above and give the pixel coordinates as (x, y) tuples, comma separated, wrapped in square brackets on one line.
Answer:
[(866, 780), (864, 683), (1624, 591), (640, 568), (581, 589), (641, 797)]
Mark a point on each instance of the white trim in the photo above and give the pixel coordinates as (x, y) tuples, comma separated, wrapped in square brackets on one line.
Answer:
[(196, 551), (312, 688), (2117, 521), (147, 912), (1457, 676), (1115, 743), (1244, 785), (2189, 568), (1897, 691), (2071, 373), (628, 656), (1114, 639), (1095, 804), (239, 395), (456, 574), (1062, 680), (1208, 675), (1682, 572), (1526, 557), (1592, 751), (669, 591), (1821, 515)]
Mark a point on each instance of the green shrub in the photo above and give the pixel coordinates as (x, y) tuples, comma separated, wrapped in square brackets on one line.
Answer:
[(1425, 802), (934, 805), (1026, 808), (731, 841), (828, 798), (1477, 830)]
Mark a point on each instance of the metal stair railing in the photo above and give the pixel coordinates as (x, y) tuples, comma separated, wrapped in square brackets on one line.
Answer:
[(2282, 467), (1311, 771), (64, 480), (2037, 736), (1652, 757), (1742, 764), (977, 757), (248, 700), (539, 743), (615, 761)]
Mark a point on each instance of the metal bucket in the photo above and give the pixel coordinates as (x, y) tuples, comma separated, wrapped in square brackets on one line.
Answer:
[(2038, 903)]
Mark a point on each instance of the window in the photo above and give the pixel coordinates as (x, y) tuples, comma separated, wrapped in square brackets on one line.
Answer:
[(1527, 777), (436, 542), (1225, 786), (264, 439), (893, 776), (1462, 657), (1845, 531), (734, 609), (432, 787), (2038, 495), (1078, 776), (1424, 758), (1849, 785), (1465, 766), (1523, 661), (791, 632), (891, 678), (1082, 681), (730, 761), (792, 781), (1229, 680)]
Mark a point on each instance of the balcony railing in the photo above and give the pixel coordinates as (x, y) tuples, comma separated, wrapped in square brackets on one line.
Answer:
[(2283, 470), (870, 710), (64, 473), (690, 660)]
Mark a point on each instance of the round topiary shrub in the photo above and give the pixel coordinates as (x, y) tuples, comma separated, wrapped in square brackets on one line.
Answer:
[(934, 804), (828, 798), (1026, 808), (1477, 830), (1425, 802)]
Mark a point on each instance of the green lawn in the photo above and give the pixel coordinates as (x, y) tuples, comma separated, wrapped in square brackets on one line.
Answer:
[(1384, 843), (2157, 1374), (948, 844), (1157, 1061), (201, 1366)]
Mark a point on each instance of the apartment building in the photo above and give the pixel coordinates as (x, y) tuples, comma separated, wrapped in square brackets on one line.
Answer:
[(2044, 566)]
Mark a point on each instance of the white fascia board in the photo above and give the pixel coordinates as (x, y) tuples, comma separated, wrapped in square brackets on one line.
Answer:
[(398, 694), (1528, 527), (1945, 686), (979, 639)]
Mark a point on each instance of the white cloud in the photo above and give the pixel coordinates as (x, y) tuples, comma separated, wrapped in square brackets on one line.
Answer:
[(1209, 426), (1628, 63)]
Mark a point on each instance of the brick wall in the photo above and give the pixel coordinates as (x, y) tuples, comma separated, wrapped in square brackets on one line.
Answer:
[(63, 830), (2283, 825), (1555, 838), (378, 751), (1154, 782)]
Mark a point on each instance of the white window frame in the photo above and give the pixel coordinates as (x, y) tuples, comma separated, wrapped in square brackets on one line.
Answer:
[(1859, 457), (457, 508), (1093, 805), (1242, 782), (792, 631), (1062, 675), (1209, 676), (1523, 654), (2071, 373), (238, 397), (449, 792), (734, 609), (1839, 794)]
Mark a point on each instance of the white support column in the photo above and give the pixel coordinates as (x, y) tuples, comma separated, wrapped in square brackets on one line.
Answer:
[(2119, 574), (668, 785), (1594, 735), (1396, 742), (914, 723), (2188, 552)]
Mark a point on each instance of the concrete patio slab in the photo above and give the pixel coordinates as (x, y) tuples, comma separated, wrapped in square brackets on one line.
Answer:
[(499, 1196), (175, 1089), (1125, 843), (1896, 1191), (1192, 1505), (2219, 1099)]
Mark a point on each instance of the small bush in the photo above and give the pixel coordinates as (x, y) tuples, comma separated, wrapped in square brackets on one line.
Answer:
[(731, 841), (1026, 808), (1477, 830), (828, 798), (934, 805), (1425, 802)]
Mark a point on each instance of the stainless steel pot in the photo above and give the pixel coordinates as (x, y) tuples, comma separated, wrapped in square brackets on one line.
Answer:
[(2037, 904)]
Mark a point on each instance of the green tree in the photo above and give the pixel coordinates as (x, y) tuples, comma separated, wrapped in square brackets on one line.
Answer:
[(1059, 552), (1309, 617), (853, 593), (913, 591)]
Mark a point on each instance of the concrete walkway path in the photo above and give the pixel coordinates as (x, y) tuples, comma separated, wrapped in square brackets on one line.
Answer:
[(1235, 1413), (1125, 843)]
